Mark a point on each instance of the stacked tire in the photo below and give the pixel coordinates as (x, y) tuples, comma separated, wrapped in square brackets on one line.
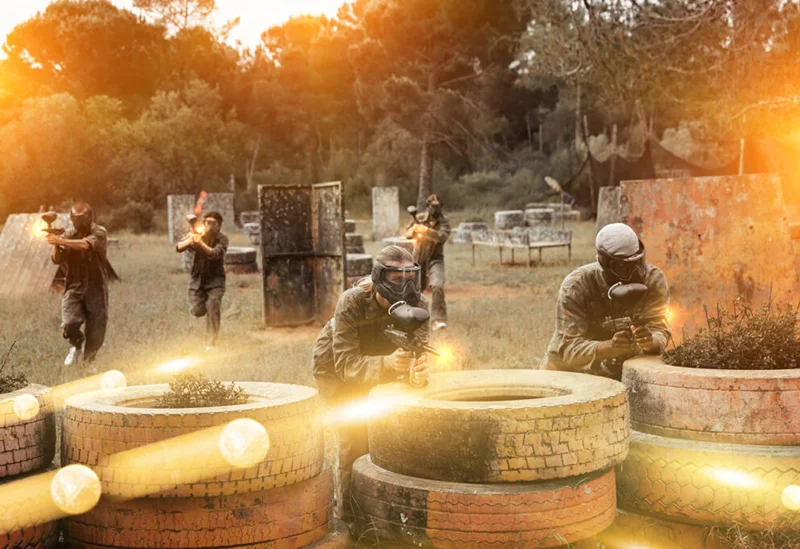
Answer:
[(496, 458), (241, 260), (711, 448), (359, 263), (27, 447), (285, 501)]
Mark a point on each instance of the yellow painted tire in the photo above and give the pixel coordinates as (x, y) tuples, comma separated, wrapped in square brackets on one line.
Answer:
[(490, 426), (99, 424), (709, 483), (30, 536)]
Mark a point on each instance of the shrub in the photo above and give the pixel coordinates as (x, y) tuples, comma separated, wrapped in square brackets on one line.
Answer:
[(10, 382), (134, 216), (189, 390), (742, 339)]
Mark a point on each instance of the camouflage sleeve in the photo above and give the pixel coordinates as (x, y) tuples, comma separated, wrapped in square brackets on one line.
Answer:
[(443, 232), (576, 352), (350, 365), (656, 304), (220, 249), (97, 239)]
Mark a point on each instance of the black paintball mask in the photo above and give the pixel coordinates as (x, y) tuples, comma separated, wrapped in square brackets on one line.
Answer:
[(397, 284), (623, 269), (82, 219), (434, 205)]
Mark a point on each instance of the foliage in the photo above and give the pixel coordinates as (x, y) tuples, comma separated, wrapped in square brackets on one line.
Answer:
[(742, 339), (782, 536), (190, 390), (137, 217), (10, 382), (177, 14)]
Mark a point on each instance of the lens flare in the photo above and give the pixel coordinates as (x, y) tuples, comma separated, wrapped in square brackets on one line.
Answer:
[(113, 379), (244, 443), (26, 407), (38, 227), (178, 365), (791, 497), (737, 479), (75, 489)]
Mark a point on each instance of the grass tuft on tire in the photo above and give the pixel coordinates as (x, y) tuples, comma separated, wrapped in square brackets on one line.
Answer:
[(742, 339), (190, 390)]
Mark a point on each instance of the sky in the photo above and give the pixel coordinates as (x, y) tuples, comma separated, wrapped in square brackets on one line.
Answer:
[(256, 15)]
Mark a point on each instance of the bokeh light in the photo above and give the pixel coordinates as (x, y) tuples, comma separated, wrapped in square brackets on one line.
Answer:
[(75, 489), (244, 443)]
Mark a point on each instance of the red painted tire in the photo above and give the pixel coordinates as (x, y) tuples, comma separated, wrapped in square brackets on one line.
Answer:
[(446, 515), (732, 406), (27, 446), (632, 530)]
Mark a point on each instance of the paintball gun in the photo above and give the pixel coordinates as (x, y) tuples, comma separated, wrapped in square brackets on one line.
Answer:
[(406, 321), (624, 297), (50, 218)]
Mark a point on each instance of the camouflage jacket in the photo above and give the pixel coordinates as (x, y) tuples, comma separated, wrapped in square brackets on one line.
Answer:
[(348, 354), (430, 246), (583, 306), (86, 272), (208, 271)]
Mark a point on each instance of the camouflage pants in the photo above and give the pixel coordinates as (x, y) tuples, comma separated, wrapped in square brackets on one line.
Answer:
[(207, 303), (435, 277), (91, 310)]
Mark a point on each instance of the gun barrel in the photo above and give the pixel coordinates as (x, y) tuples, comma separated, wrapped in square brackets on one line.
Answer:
[(433, 350)]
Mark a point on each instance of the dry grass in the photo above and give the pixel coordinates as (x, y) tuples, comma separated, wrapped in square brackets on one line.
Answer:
[(500, 317)]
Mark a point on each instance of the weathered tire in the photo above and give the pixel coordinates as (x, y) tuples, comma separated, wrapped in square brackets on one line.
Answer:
[(242, 268), (249, 217), (509, 219), (40, 536), (349, 226), (734, 406), (632, 530), (288, 517), (99, 424), (444, 515), (355, 250), (570, 425), (353, 239), (238, 255), (709, 483), (359, 264), (28, 445), (399, 241)]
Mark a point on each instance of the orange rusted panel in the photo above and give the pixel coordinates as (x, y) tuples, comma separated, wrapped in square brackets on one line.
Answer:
[(715, 238)]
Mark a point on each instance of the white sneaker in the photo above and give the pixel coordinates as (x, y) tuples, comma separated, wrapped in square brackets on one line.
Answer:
[(73, 356), (439, 325)]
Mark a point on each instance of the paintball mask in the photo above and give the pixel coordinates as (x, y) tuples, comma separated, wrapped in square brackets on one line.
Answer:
[(397, 284), (434, 205), (81, 219), (624, 269)]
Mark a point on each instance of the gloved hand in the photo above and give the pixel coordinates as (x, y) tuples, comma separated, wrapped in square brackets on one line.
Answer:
[(419, 371)]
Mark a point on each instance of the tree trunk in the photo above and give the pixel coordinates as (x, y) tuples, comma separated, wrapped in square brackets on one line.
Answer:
[(251, 165), (613, 166), (426, 160)]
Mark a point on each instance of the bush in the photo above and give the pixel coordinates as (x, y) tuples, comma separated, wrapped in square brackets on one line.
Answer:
[(742, 340), (10, 382), (196, 391), (134, 216)]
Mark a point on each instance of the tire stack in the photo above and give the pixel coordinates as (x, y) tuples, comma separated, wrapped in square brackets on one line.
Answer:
[(495, 458), (711, 448), (241, 261), (507, 220), (359, 263), (27, 447), (283, 502)]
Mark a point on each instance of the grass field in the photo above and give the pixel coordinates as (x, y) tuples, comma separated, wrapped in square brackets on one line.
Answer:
[(500, 317)]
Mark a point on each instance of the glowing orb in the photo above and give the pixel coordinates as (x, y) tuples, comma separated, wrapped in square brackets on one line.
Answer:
[(113, 379), (791, 497), (26, 407), (244, 443), (75, 489), (737, 479)]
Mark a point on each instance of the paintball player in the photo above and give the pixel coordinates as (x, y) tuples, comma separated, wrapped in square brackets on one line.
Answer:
[(207, 246), (351, 354), (580, 342), (82, 253), (430, 231)]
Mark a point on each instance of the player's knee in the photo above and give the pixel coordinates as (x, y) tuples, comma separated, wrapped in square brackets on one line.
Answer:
[(198, 309)]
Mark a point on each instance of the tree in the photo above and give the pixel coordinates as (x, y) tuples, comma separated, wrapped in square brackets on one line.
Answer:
[(85, 49), (420, 60), (178, 14)]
